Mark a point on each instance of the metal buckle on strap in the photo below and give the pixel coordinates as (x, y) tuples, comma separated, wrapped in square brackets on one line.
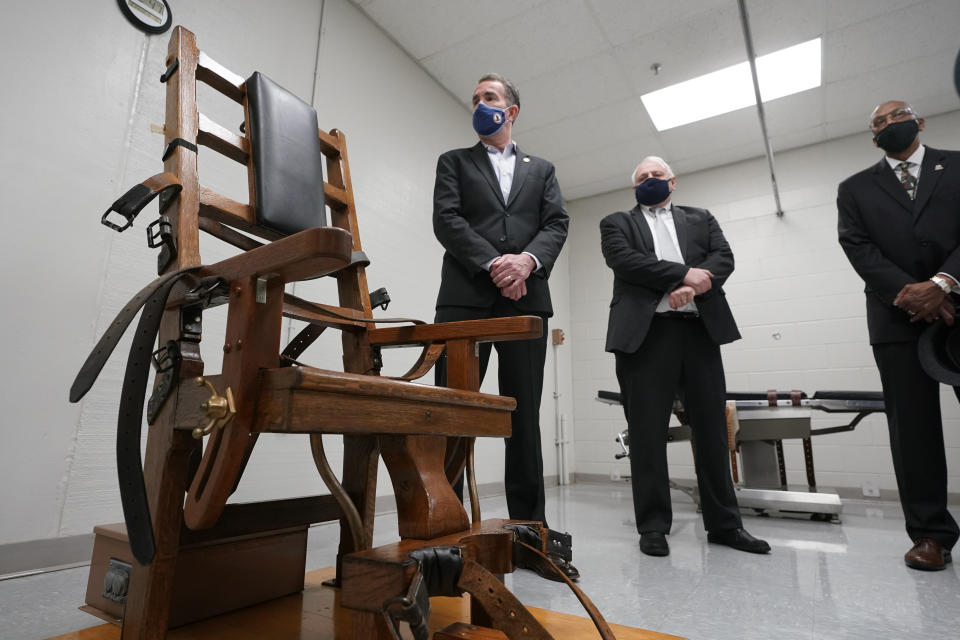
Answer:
[(166, 361), (413, 608), (160, 234)]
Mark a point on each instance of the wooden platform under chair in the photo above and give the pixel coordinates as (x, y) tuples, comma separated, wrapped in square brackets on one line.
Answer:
[(315, 614)]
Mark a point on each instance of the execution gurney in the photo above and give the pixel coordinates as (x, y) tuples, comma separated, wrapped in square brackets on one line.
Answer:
[(757, 424)]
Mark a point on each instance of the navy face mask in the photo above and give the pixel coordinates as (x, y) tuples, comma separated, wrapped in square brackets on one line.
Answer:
[(487, 120), (652, 191), (897, 136)]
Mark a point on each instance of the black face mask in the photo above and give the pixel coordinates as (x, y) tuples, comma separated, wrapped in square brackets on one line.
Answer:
[(897, 136)]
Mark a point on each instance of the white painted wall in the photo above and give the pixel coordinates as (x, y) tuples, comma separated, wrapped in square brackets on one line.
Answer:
[(80, 93), (798, 303)]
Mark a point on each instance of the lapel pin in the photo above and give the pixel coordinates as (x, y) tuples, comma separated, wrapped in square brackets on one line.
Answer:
[(939, 167), (527, 159)]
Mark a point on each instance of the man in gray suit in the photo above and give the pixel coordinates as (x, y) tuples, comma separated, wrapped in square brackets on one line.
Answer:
[(668, 318), (498, 213)]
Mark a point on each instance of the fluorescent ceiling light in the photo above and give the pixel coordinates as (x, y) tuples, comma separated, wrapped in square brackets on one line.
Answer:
[(780, 74)]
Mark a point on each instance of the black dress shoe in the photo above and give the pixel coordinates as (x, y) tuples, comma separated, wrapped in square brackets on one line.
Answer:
[(740, 540), (654, 543)]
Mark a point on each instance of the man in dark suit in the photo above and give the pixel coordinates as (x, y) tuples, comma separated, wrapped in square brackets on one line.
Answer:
[(498, 213), (668, 318), (899, 224)]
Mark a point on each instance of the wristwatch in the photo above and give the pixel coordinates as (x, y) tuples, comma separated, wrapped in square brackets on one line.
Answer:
[(942, 283)]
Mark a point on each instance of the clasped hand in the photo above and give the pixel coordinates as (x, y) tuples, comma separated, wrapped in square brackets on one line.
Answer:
[(696, 282), (925, 301), (509, 273), (700, 280)]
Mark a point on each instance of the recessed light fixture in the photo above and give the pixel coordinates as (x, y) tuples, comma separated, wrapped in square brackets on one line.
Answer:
[(781, 73)]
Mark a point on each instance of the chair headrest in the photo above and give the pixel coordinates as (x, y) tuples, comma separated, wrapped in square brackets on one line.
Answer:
[(287, 159)]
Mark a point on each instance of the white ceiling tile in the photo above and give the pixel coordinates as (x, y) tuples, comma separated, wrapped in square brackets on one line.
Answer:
[(604, 126), (726, 131), (544, 38), (707, 42), (423, 27), (858, 95), (847, 12), (892, 38), (625, 20), (572, 90), (798, 111), (776, 24)]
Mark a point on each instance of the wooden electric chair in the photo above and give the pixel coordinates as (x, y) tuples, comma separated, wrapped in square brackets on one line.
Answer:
[(424, 433)]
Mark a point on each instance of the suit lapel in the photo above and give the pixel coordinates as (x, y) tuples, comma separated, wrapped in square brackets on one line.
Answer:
[(641, 228), (887, 180), (520, 171), (478, 153), (680, 224), (930, 170)]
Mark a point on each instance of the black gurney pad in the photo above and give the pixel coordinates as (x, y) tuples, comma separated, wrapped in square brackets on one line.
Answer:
[(287, 159)]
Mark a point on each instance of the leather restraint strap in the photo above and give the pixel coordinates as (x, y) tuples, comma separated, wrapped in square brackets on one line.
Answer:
[(133, 201), (333, 314), (108, 341), (133, 494), (506, 612), (538, 556)]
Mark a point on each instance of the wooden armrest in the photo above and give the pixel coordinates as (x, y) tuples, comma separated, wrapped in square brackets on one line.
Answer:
[(488, 330), (308, 254)]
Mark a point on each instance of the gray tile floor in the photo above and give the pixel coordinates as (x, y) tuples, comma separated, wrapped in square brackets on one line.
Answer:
[(823, 581)]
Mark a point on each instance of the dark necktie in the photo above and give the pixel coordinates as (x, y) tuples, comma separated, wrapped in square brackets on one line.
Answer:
[(907, 180)]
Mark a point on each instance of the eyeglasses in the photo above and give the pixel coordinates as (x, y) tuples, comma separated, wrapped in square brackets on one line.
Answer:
[(903, 113)]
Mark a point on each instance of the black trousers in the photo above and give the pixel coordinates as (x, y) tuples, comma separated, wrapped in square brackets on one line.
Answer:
[(912, 400), (677, 356), (520, 376)]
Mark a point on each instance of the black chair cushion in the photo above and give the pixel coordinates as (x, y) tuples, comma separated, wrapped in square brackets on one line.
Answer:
[(287, 160)]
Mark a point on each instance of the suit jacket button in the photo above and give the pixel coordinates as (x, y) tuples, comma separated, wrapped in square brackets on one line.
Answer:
[(925, 243), (503, 238)]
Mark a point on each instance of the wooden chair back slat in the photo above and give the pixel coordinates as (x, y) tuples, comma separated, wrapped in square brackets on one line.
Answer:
[(217, 137), (219, 77)]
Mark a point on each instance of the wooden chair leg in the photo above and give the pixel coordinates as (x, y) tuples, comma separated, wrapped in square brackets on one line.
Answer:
[(147, 612), (361, 456)]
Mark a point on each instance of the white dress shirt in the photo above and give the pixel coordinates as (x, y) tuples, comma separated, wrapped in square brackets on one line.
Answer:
[(666, 214), (503, 163)]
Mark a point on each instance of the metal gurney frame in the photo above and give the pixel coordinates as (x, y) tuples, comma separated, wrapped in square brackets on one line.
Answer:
[(758, 432)]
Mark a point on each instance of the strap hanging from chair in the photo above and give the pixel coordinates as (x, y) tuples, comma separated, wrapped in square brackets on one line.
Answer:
[(133, 494), (137, 197)]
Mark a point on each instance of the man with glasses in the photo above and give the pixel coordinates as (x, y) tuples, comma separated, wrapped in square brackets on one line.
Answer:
[(899, 224)]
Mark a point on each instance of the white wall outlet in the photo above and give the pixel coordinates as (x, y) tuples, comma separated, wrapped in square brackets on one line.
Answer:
[(870, 489)]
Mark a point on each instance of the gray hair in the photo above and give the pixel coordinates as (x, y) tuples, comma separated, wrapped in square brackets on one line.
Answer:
[(660, 161), (509, 90)]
